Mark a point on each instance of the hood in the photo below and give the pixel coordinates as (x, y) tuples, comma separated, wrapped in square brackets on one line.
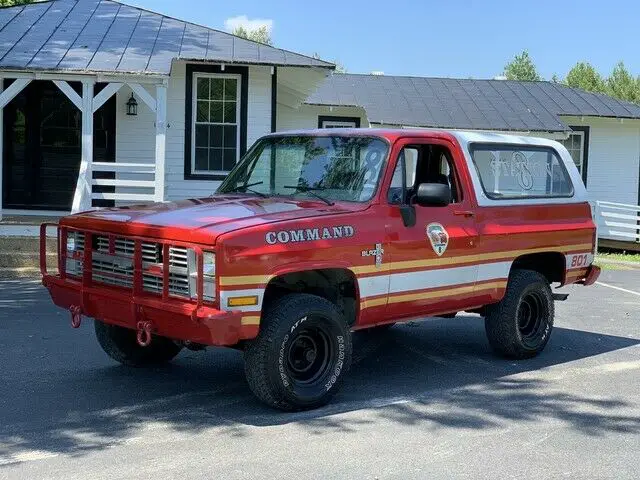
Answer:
[(202, 220)]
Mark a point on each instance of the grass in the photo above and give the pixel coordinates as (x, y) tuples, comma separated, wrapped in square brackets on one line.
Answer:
[(619, 257)]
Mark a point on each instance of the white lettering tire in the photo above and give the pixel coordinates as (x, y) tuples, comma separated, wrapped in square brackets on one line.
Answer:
[(300, 357)]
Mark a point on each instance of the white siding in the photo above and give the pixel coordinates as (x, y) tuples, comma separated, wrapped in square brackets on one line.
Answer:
[(306, 116), (614, 162), (614, 153), (135, 141)]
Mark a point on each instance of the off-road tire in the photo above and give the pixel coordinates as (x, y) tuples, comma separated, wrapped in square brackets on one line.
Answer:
[(511, 328), (275, 361), (121, 345)]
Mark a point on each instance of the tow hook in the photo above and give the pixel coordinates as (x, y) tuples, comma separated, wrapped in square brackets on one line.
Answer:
[(144, 333), (76, 316)]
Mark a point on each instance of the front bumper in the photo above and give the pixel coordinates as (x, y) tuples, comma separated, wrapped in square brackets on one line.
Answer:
[(168, 316)]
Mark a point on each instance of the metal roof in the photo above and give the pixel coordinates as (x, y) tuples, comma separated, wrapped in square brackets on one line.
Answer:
[(467, 104), (110, 37)]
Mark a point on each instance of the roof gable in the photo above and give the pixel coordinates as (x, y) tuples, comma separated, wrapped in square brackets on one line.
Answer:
[(467, 103), (110, 37)]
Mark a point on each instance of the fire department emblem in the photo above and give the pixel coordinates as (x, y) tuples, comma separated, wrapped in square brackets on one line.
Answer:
[(438, 237)]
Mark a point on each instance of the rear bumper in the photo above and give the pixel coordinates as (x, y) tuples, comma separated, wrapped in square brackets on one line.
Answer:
[(173, 319), (593, 273)]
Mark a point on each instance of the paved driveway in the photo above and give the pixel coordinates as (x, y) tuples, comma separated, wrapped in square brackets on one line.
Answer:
[(425, 400)]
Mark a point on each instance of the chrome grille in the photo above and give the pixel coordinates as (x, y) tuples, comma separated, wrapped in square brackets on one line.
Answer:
[(178, 284), (118, 269), (178, 257)]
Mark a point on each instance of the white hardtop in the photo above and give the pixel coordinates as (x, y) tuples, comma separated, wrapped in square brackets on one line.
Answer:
[(468, 138)]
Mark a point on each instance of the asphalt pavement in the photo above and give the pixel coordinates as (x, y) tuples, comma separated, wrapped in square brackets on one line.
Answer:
[(425, 400)]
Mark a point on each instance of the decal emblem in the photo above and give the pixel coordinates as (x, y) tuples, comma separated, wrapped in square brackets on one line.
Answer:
[(376, 252), (438, 237)]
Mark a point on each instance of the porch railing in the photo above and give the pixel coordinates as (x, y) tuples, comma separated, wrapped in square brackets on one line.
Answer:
[(133, 182)]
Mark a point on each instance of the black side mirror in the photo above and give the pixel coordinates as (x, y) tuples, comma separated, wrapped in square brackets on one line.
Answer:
[(433, 195)]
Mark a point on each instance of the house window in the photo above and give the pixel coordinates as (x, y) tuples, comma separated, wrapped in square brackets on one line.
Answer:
[(578, 145), (216, 120), (338, 122)]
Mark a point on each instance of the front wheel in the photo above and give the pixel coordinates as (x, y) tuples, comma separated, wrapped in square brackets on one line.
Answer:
[(301, 354), (519, 326), (121, 345)]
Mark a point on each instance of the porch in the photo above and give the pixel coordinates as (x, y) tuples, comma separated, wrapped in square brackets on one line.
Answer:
[(58, 143)]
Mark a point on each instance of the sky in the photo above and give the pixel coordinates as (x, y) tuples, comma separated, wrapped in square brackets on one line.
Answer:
[(452, 38)]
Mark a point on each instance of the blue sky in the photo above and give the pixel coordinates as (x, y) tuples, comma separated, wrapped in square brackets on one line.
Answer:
[(454, 38)]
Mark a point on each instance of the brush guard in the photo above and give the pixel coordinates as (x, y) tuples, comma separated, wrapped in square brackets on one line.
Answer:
[(137, 294)]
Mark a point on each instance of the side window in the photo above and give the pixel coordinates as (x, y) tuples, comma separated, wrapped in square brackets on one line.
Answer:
[(409, 158), (521, 171), (424, 164)]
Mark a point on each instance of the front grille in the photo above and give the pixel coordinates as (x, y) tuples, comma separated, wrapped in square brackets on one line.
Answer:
[(117, 268)]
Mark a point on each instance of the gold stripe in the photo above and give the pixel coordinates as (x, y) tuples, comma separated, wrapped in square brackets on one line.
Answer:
[(464, 259), (374, 302), (390, 267), (450, 292), (250, 321), (245, 280)]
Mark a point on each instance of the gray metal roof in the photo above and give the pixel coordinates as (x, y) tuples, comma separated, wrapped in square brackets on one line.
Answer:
[(467, 104), (110, 37)]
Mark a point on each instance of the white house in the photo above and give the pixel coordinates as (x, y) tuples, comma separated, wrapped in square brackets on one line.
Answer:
[(103, 103)]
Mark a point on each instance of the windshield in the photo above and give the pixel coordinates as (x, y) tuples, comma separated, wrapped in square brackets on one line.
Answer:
[(326, 168)]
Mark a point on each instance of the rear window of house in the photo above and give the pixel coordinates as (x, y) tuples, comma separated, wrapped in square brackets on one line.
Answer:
[(518, 171)]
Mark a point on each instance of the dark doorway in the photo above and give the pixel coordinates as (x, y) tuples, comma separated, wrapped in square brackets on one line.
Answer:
[(42, 146)]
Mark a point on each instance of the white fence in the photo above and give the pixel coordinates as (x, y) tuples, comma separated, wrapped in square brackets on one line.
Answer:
[(617, 221)]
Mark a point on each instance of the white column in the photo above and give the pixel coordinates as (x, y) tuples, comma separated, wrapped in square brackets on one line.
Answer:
[(1, 145), (82, 198), (161, 140)]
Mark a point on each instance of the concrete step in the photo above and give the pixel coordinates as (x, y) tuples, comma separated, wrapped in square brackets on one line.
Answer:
[(24, 252), (19, 273)]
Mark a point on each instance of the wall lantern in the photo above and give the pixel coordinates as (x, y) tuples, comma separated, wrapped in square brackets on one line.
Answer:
[(132, 106)]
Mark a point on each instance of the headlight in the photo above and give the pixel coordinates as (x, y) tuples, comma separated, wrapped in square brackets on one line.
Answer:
[(209, 265)]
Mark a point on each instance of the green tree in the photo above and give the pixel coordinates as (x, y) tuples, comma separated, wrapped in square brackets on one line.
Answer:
[(260, 34), (521, 68), (621, 84), (11, 3), (584, 76)]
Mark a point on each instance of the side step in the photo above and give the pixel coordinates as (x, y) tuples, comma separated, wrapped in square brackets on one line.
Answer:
[(560, 297)]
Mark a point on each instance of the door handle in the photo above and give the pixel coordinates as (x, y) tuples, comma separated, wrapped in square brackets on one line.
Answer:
[(464, 213)]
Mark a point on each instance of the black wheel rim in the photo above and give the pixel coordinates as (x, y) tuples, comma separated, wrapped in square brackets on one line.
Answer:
[(309, 355), (531, 319)]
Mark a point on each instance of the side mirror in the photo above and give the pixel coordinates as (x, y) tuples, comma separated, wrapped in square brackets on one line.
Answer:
[(433, 195)]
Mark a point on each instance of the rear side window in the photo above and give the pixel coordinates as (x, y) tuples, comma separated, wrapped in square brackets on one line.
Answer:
[(519, 171)]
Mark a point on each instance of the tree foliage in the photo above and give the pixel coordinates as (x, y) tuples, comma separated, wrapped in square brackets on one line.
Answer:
[(11, 3), (261, 35), (521, 68), (621, 84), (584, 76)]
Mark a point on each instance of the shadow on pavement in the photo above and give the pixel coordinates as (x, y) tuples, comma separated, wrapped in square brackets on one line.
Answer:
[(444, 367)]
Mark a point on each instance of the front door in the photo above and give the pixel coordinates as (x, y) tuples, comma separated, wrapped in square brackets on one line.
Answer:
[(428, 270), (42, 146)]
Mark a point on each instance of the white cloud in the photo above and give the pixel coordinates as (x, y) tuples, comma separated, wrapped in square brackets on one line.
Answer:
[(248, 24)]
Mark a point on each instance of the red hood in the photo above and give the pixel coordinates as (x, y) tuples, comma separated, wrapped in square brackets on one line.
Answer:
[(202, 220)]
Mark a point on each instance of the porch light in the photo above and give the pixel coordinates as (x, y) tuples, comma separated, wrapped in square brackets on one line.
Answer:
[(132, 106)]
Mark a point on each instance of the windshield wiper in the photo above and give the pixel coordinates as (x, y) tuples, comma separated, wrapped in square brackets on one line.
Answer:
[(247, 188), (311, 191)]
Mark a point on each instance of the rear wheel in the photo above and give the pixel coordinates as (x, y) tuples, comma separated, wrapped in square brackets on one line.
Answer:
[(520, 325), (121, 345), (301, 355)]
